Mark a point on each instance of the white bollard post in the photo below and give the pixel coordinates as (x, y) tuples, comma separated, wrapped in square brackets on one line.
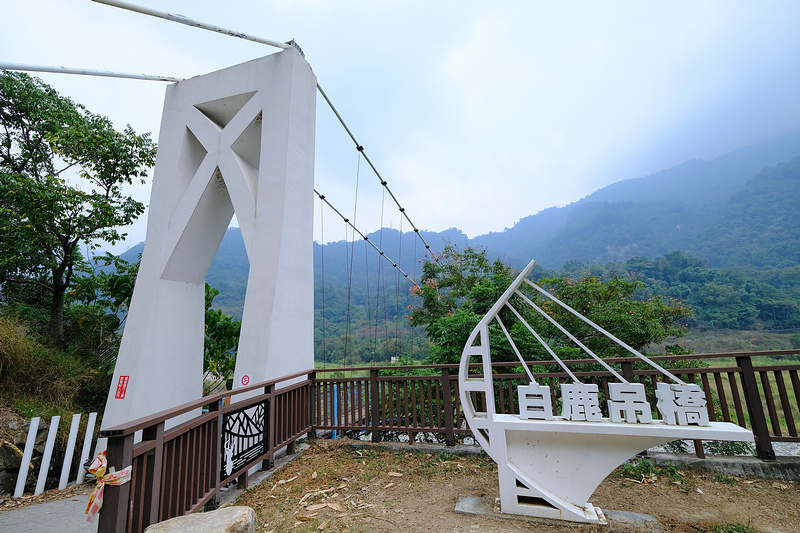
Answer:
[(87, 445), (48, 453), (26, 457), (73, 436)]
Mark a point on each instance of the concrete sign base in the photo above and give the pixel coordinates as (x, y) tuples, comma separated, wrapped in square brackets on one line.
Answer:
[(549, 469)]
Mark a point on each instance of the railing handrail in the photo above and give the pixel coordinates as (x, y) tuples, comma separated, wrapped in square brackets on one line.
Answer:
[(133, 426), (721, 355)]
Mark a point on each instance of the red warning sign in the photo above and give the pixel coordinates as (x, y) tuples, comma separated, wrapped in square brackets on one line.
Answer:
[(245, 380), (122, 386)]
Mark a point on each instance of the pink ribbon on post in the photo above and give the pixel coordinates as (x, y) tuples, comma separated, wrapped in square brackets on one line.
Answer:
[(98, 468)]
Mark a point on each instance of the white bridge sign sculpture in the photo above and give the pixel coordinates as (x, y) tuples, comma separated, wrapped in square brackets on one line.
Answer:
[(549, 466)]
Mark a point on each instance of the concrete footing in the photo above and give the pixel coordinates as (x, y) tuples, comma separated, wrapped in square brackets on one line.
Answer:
[(784, 469), (620, 520)]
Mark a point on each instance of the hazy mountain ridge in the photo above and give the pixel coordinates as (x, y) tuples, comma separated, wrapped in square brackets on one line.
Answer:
[(737, 211), (758, 225), (649, 216)]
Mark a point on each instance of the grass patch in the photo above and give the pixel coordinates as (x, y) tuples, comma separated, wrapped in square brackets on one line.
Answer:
[(40, 381), (645, 471), (724, 478), (31, 407), (723, 341), (732, 528)]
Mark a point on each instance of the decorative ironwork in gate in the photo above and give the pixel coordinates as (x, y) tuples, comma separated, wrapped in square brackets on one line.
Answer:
[(244, 431)]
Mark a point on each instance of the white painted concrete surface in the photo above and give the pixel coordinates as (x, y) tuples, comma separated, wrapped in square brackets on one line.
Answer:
[(240, 140)]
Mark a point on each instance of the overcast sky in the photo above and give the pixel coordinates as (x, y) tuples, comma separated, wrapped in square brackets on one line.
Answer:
[(476, 113)]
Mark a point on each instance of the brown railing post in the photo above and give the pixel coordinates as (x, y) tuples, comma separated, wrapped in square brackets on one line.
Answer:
[(216, 447), (114, 513), (374, 407), (627, 371), (312, 403), (699, 451), (764, 449), (269, 427), (449, 436), (154, 433)]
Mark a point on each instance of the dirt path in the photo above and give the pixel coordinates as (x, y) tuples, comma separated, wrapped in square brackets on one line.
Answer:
[(338, 488)]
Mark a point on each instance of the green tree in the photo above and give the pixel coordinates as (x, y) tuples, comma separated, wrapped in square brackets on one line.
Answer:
[(461, 287), (62, 173), (615, 304), (97, 305), (456, 290), (221, 340)]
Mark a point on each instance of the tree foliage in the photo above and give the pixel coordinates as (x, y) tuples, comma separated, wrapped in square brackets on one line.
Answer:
[(62, 174), (719, 298), (617, 305), (221, 340), (457, 290), (96, 307)]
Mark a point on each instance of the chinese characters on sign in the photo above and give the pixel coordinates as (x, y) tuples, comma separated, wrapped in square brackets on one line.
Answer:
[(535, 402), (683, 404), (628, 403), (122, 387), (580, 402)]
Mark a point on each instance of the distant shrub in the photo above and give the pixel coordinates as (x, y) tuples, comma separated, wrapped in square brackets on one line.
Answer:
[(795, 340), (718, 447), (34, 375), (732, 528)]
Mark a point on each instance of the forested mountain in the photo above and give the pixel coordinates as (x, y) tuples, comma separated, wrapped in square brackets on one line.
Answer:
[(735, 299), (722, 235), (688, 207), (758, 225)]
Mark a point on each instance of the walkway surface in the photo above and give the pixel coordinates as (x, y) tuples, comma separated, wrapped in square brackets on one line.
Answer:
[(64, 516), (67, 515)]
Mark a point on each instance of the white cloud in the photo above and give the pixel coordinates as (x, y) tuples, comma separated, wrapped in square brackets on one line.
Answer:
[(477, 113)]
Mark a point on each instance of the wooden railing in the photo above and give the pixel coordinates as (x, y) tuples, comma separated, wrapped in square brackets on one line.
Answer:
[(181, 469), (408, 404), (764, 399)]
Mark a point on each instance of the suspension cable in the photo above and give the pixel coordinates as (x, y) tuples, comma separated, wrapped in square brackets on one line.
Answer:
[(366, 279), (85, 72), (413, 299), (367, 239), (368, 299), (349, 271), (181, 19), (352, 254), (322, 264), (381, 281), (384, 183), (397, 294)]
